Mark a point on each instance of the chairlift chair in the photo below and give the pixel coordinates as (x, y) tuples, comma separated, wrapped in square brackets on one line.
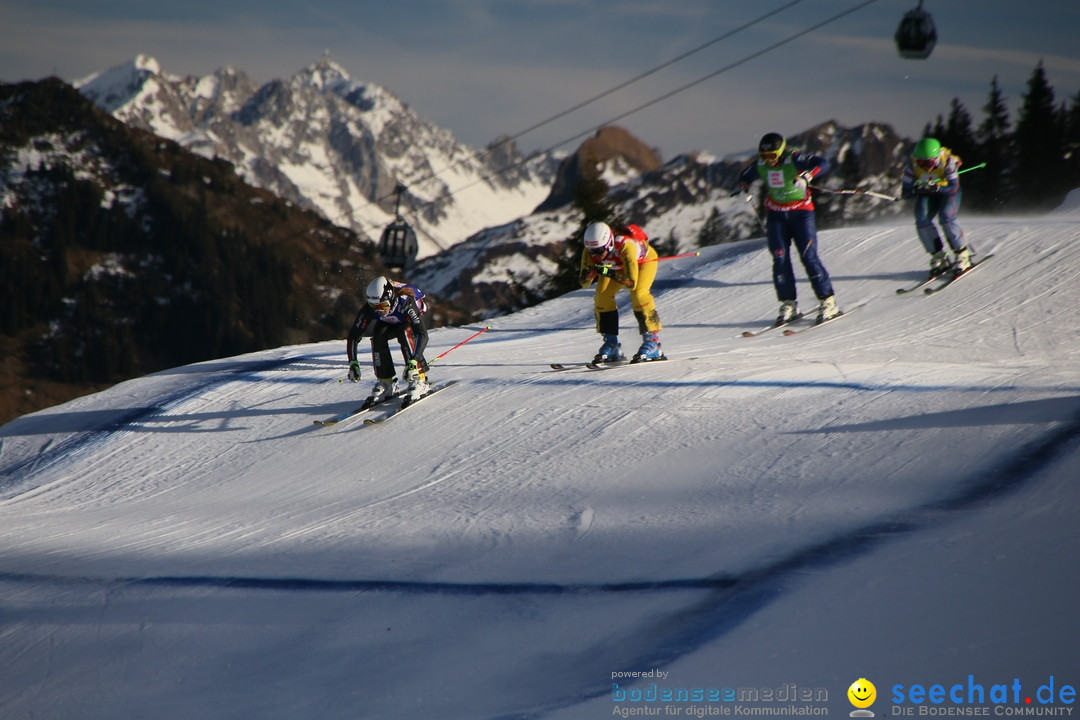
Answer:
[(398, 246), (916, 35)]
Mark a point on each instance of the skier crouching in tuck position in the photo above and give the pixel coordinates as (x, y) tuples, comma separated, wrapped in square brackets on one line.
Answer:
[(397, 310), (617, 262), (932, 177), (790, 216)]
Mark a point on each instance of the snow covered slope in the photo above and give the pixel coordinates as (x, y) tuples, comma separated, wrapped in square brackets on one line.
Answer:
[(890, 496)]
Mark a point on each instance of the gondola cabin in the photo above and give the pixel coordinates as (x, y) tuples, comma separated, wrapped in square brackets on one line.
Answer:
[(398, 247), (916, 36)]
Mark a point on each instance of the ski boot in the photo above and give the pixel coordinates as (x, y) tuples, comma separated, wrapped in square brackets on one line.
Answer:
[(963, 261), (610, 351), (649, 350), (418, 384), (828, 310), (939, 264), (789, 311), (384, 389)]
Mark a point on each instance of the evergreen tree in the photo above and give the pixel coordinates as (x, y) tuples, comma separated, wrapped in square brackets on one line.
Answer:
[(989, 186), (958, 135), (590, 199), (1040, 162), (938, 131), (1072, 143)]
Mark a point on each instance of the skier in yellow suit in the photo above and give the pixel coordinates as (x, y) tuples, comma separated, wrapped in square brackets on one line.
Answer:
[(618, 261)]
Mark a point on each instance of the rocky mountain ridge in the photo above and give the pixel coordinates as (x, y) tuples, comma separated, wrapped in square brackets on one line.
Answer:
[(333, 145), (686, 203), (122, 253)]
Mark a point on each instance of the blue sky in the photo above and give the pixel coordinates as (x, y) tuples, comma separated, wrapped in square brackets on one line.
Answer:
[(484, 67)]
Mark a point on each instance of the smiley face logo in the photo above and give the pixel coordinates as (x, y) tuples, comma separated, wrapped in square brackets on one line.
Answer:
[(862, 693)]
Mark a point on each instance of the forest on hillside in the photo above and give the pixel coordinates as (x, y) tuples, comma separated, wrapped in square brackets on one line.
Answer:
[(1031, 164), (123, 254)]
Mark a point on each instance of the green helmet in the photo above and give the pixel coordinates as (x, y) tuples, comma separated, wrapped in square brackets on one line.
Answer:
[(927, 149)]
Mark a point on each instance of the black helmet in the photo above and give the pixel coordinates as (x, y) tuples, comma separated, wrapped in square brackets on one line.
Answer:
[(771, 147)]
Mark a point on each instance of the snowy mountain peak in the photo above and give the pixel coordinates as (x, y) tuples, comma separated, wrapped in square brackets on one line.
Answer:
[(328, 143), (133, 70), (114, 88), (325, 74)]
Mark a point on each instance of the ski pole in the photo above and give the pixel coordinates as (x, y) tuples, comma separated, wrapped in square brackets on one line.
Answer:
[(474, 335), (748, 197), (675, 257), (665, 257), (883, 196), (871, 193), (672, 257), (455, 347), (764, 232)]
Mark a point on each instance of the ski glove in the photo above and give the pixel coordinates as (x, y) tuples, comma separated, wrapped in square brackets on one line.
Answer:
[(803, 181), (354, 371)]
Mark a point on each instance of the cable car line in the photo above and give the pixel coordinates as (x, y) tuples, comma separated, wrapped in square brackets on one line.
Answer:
[(687, 86), (646, 74), (638, 108), (599, 96)]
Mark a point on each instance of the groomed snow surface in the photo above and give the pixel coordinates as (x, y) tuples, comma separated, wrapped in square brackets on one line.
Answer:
[(891, 496)]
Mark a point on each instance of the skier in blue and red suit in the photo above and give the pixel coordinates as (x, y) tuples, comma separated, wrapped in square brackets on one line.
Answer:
[(393, 310), (787, 173)]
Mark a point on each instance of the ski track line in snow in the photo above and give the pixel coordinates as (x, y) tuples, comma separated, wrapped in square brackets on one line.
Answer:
[(622, 378)]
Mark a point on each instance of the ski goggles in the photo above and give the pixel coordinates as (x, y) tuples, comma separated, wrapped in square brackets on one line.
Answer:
[(380, 307), (926, 163), (772, 156)]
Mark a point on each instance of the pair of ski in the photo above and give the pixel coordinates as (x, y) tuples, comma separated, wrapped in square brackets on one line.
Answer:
[(351, 414), (408, 404), (357, 412), (944, 280), (624, 362), (794, 326)]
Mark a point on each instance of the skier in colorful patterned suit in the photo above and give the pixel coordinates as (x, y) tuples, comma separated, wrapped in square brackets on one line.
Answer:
[(932, 178), (787, 173), (393, 309), (617, 261)]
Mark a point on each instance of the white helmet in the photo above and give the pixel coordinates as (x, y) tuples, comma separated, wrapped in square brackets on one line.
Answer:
[(380, 291), (598, 238)]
